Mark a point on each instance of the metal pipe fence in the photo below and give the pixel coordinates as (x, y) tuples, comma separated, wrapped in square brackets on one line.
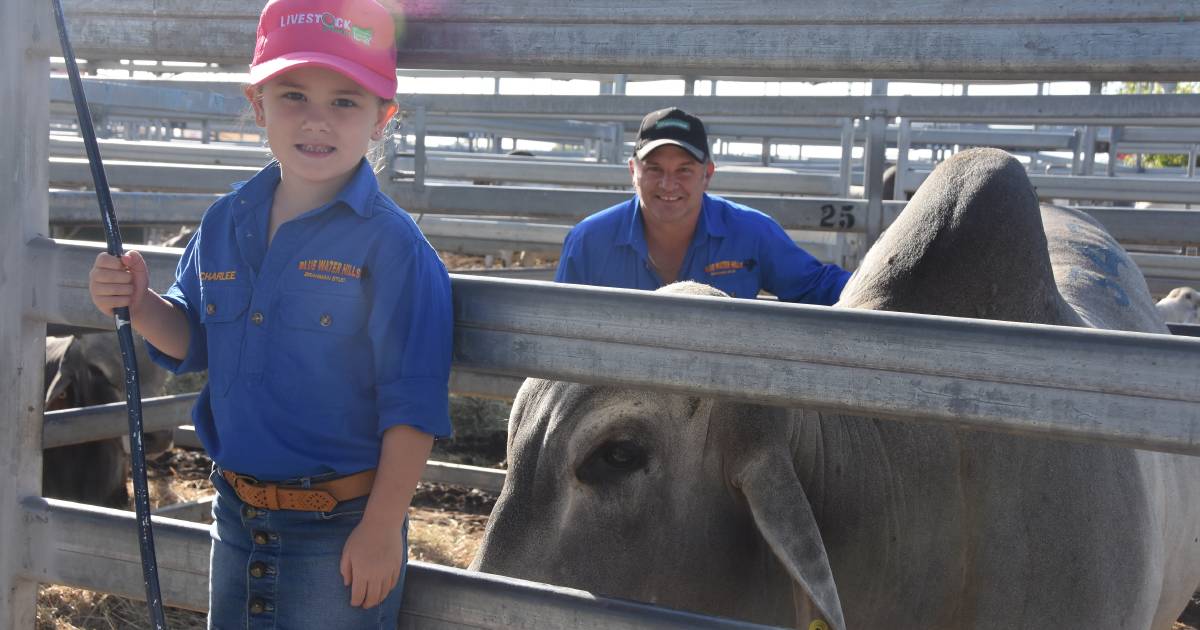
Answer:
[(1127, 389), (980, 374)]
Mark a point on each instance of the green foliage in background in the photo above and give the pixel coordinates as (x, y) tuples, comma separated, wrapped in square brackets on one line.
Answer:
[(1158, 160)]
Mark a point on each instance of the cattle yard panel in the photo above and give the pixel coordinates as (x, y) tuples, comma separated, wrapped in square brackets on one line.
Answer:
[(60, 542)]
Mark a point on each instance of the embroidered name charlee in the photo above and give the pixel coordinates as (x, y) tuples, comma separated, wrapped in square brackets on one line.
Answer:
[(213, 276)]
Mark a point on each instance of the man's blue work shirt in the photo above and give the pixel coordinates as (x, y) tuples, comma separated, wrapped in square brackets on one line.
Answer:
[(736, 249), (339, 330)]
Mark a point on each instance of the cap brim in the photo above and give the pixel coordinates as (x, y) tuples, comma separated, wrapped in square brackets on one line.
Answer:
[(700, 155), (377, 84)]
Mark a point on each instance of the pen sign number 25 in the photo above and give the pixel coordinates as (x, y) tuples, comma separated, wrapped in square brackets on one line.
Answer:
[(831, 217)]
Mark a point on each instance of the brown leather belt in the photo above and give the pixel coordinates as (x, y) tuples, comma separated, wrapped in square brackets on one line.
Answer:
[(320, 497)]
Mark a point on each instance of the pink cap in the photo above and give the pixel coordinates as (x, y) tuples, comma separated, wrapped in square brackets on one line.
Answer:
[(353, 37)]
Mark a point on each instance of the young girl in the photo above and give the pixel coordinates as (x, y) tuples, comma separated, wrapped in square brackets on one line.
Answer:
[(324, 320)]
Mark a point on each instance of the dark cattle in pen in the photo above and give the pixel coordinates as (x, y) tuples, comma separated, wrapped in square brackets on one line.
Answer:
[(82, 371), (805, 518)]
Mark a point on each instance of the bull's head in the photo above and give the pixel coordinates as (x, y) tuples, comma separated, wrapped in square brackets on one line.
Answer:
[(670, 499)]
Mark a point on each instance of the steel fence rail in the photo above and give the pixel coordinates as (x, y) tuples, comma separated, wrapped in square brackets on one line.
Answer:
[(218, 102), (727, 178), (63, 299), (94, 548), (1143, 225), (573, 204), (1165, 110), (136, 165), (1164, 272), (1153, 226), (98, 422), (1127, 389), (853, 39), (1025, 378), (1092, 187), (154, 99)]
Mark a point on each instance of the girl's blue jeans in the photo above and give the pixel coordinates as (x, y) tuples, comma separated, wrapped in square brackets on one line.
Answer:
[(280, 569)]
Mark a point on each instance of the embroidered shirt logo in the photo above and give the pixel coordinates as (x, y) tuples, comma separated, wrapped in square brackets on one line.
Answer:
[(329, 22), (216, 276), (726, 267), (330, 270)]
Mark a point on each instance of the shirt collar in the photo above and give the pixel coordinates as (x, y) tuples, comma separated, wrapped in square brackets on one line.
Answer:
[(358, 194), (710, 223)]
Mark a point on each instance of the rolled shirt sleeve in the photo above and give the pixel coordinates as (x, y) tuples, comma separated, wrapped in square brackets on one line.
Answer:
[(183, 293), (794, 275), (411, 327)]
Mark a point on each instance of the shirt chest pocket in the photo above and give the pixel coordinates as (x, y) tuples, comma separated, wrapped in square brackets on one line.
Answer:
[(323, 314), (222, 311)]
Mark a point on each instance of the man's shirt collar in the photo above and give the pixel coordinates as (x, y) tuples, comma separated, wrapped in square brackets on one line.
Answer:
[(710, 223)]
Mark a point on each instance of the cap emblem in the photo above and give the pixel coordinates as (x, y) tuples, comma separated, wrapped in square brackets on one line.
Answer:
[(361, 35), (671, 122)]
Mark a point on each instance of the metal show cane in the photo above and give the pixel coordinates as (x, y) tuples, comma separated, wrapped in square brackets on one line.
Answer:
[(133, 398)]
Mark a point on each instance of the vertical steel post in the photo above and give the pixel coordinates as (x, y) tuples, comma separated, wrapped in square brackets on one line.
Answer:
[(1089, 138), (873, 168), (847, 160), (26, 44), (419, 152), (1114, 137), (903, 141)]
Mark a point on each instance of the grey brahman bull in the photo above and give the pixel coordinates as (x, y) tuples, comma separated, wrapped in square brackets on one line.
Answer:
[(813, 520)]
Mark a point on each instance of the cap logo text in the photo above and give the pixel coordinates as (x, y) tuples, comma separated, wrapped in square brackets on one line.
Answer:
[(329, 22), (670, 122)]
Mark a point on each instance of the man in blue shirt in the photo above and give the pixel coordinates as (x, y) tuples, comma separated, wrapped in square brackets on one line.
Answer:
[(673, 230)]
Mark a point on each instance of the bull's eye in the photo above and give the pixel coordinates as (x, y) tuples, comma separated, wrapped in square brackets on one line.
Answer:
[(621, 455), (612, 460)]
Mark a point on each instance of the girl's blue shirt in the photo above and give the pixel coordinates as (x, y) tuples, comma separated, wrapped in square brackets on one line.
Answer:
[(316, 345)]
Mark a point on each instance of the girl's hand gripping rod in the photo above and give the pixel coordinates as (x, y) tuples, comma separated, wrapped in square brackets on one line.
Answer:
[(133, 398)]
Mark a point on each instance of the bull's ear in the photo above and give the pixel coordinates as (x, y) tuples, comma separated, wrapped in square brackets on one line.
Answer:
[(56, 375), (785, 520)]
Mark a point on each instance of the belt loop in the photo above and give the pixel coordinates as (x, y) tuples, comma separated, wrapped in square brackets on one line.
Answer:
[(272, 496)]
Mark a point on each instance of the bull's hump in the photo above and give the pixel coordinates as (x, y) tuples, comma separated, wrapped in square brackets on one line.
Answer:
[(970, 243)]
